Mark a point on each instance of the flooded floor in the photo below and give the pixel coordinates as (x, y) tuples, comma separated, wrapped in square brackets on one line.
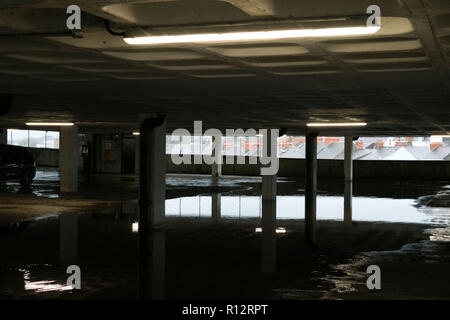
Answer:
[(218, 254)]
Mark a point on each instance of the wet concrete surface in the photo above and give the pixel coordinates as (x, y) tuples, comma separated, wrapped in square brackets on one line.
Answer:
[(210, 258)]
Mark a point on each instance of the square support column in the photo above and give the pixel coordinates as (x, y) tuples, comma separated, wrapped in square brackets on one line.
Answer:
[(269, 208), (137, 155), (348, 189), (152, 195), (311, 189), (216, 167), (3, 136), (69, 146)]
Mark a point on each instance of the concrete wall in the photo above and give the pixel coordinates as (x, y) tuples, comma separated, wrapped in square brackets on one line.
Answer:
[(45, 157), (48, 157), (108, 153), (364, 169)]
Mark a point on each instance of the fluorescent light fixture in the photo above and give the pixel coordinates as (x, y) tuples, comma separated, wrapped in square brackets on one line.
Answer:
[(48, 124), (337, 124), (253, 35), (440, 136), (136, 133)]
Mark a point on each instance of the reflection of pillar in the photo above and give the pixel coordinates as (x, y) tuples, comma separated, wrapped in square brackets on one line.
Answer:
[(3, 136), (216, 167), (152, 207), (68, 238), (68, 159), (348, 190), (268, 220), (311, 189), (216, 211)]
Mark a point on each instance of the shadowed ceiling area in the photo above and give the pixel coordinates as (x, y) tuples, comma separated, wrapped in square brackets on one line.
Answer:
[(396, 80)]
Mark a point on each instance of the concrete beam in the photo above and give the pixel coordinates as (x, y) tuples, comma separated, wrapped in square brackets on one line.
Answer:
[(152, 194), (311, 189), (68, 158), (254, 7), (348, 172)]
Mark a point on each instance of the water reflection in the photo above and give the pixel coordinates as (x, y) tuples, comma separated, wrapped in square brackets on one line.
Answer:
[(348, 203), (440, 218), (216, 208), (268, 239), (68, 238), (46, 286), (293, 207), (42, 286), (107, 242), (277, 230)]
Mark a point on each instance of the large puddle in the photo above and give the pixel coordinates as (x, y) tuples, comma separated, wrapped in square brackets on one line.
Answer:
[(218, 254), (293, 207)]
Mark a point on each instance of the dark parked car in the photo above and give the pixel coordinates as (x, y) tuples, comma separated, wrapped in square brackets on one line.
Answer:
[(16, 164)]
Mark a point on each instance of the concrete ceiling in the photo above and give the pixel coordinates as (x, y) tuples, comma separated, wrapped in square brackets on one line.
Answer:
[(397, 80)]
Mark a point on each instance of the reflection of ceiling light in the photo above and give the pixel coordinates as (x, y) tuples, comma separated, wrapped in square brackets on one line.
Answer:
[(47, 124), (42, 286), (136, 133), (254, 35), (336, 124), (278, 230), (135, 227), (46, 286), (440, 237)]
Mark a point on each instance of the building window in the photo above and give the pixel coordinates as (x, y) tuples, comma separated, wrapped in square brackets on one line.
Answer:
[(330, 148), (52, 140), (33, 138)]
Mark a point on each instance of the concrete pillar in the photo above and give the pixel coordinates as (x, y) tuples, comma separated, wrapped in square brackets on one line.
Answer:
[(137, 155), (152, 196), (348, 189), (3, 136), (68, 238), (216, 167), (268, 220), (68, 158), (311, 189), (216, 212)]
